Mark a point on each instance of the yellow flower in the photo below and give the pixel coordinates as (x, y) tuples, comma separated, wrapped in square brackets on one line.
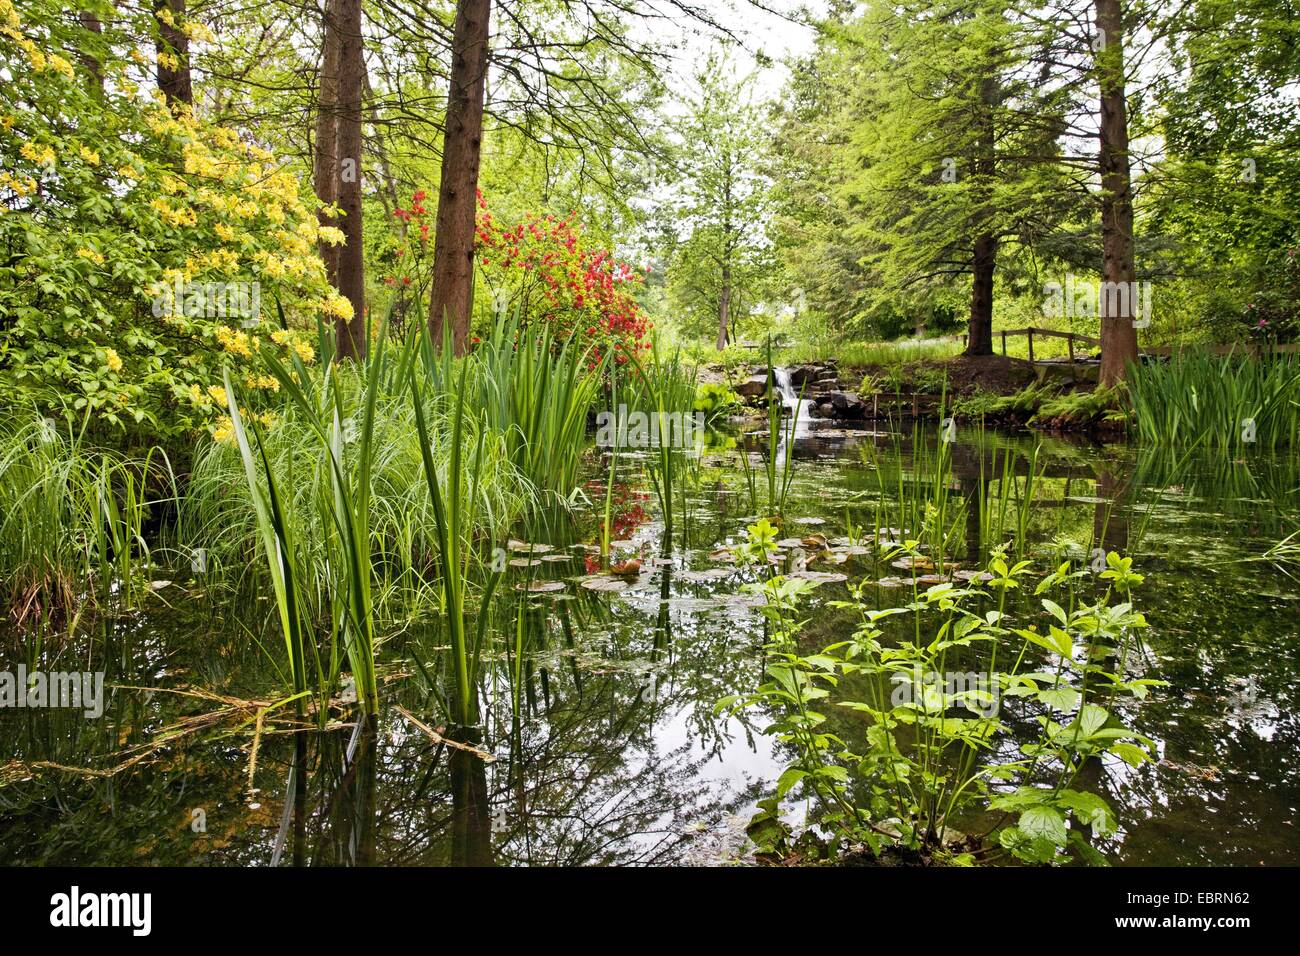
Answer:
[(224, 430), (224, 232), (39, 154), (90, 156), (22, 187), (112, 360), (331, 235), (9, 17), (218, 394), (59, 65), (337, 306), (34, 56), (198, 31), (92, 255), (234, 341)]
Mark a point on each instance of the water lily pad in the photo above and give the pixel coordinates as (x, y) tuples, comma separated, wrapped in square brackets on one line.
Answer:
[(515, 545), (821, 577), (929, 579), (540, 587), (829, 557), (972, 576), (604, 583), (557, 558), (894, 582), (702, 577), (810, 521), (738, 599), (790, 543), (912, 562), (523, 562)]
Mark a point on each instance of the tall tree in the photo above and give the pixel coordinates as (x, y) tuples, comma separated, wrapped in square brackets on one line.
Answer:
[(948, 153), (721, 195), (453, 248), (1119, 272), (173, 52), (350, 334), (325, 165)]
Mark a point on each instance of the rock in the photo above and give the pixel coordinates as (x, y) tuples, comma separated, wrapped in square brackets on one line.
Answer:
[(847, 405), (802, 375), (753, 387)]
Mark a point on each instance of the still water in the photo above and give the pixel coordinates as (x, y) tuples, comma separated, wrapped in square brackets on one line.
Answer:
[(602, 742)]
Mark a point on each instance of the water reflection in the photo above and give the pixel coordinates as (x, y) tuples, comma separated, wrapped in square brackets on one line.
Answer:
[(597, 708)]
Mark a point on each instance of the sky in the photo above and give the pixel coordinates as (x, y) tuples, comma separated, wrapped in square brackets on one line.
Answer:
[(759, 31)]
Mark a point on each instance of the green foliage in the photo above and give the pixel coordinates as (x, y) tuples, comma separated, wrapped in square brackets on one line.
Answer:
[(715, 244), (1082, 407), (715, 399), (1231, 402), (107, 200), (72, 525), (934, 753)]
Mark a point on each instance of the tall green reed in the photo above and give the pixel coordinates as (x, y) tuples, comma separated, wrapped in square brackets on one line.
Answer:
[(1233, 402), (72, 528)]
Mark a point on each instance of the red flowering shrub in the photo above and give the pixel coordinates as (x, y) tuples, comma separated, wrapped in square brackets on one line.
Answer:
[(542, 267)]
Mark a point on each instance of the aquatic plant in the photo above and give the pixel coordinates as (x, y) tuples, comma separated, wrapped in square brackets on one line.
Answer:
[(72, 526), (1233, 402), (454, 495), (940, 688), (536, 390), (665, 389)]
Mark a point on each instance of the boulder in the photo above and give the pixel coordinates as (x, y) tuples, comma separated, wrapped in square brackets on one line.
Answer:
[(802, 375), (753, 387), (847, 405)]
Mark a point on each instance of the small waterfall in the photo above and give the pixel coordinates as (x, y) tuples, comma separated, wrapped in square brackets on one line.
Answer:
[(795, 407), (790, 399)]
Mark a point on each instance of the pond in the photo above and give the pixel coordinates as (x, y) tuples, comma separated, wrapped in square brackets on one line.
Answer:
[(600, 743)]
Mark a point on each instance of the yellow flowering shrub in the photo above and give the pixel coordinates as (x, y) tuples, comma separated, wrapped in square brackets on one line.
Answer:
[(151, 249)]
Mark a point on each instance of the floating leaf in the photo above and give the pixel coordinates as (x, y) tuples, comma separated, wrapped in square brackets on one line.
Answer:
[(540, 587)]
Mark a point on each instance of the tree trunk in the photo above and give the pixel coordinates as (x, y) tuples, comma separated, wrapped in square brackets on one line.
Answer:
[(325, 170), (96, 69), (453, 241), (724, 308), (980, 331), (1118, 334), (350, 335), (175, 84)]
